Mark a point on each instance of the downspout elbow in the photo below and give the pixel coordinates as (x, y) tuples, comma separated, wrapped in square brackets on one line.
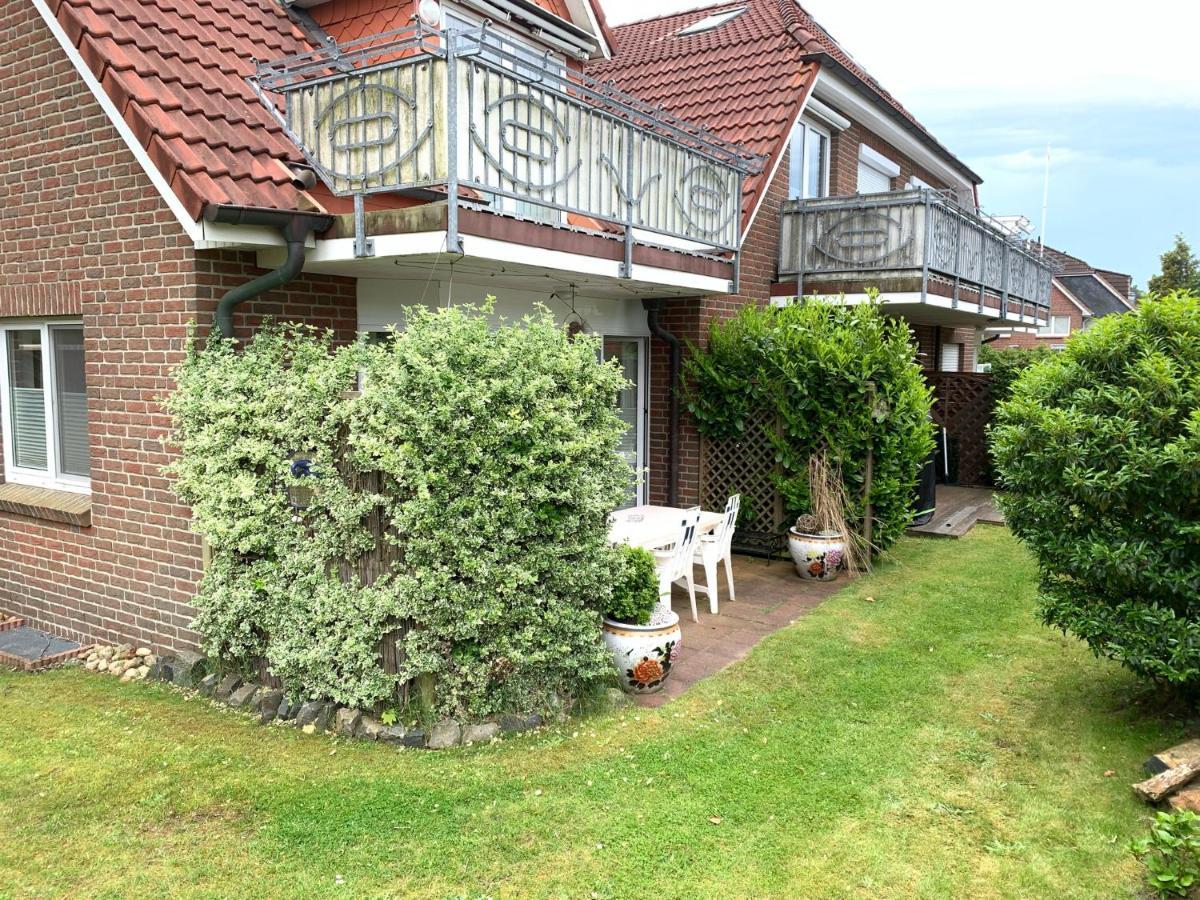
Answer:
[(276, 278), (295, 228)]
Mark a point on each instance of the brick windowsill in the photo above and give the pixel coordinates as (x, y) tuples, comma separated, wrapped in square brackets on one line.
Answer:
[(42, 503)]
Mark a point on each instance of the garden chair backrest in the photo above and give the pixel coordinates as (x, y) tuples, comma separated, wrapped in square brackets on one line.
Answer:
[(685, 545), (723, 537)]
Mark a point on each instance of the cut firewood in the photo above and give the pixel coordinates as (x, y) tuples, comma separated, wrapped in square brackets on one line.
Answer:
[(1154, 789), (1172, 757)]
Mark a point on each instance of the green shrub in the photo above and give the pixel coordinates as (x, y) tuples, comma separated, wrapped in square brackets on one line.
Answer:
[(1008, 364), (1171, 853), (494, 455), (1099, 448), (834, 377), (635, 593)]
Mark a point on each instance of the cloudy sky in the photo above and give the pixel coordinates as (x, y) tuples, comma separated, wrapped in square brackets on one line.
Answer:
[(1113, 89)]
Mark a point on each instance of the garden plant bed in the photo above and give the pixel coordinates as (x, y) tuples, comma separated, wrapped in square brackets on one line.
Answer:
[(937, 742)]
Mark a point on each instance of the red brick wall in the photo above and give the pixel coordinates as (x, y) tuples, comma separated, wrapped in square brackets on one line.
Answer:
[(1060, 305), (85, 231)]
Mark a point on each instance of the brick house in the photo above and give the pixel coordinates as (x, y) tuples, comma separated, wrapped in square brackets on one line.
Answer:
[(1079, 294), (168, 161)]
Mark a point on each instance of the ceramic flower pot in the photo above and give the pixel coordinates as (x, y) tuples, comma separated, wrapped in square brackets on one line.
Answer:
[(818, 557), (644, 654)]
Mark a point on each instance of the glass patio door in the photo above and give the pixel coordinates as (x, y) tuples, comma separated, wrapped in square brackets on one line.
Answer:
[(631, 407)]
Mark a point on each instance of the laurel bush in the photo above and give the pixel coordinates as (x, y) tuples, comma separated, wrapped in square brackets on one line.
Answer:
[(1099, 450), (842, 379), (495, 453)]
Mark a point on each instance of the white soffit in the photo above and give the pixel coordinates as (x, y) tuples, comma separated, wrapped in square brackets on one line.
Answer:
[(837, 92)]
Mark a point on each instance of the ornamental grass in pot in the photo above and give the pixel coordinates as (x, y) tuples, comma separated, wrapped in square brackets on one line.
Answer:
[(821, 541), (641, 633)]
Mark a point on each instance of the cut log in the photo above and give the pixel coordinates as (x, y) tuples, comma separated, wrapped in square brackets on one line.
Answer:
[(1154, 789), (1172, 757)]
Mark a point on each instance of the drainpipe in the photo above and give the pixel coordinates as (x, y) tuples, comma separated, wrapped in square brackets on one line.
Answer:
[(653, 307), (295, 227)]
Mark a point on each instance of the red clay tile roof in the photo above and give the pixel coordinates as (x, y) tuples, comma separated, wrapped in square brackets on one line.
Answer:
[(176, 70), (348, 20), (745, 80)]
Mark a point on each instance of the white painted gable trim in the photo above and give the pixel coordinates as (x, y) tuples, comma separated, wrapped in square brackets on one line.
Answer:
[(173, 202)]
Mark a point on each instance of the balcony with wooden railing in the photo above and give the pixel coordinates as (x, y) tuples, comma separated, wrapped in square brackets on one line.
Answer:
[(916, 246), (462, 114)]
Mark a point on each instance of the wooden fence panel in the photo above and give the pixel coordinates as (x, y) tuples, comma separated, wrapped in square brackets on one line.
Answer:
[(746, 466)]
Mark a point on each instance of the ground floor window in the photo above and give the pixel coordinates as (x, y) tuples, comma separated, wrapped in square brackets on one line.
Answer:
[(43, 404), (951, 357)]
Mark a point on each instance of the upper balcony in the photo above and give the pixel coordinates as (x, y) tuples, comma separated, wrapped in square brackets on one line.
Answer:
[(467, 114), (920, 249)]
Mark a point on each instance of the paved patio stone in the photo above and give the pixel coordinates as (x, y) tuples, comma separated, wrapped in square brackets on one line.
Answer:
[(770, 596)]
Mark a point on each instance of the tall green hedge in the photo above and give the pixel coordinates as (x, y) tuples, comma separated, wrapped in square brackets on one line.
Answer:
[(497, 454), (1099, 449), (839, 378), (1008, 363)]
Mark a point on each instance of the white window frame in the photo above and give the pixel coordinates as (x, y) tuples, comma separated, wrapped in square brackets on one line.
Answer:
[(1048, 330), (53, 478), (798, 162), (643, 405)]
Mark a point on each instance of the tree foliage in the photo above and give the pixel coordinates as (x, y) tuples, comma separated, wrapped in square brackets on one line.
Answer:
[(495, 450), (1099, 449), (1008, 363), (838, 378), (1179, 270)]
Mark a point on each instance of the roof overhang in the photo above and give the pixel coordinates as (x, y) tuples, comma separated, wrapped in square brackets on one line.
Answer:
[(845, 91)]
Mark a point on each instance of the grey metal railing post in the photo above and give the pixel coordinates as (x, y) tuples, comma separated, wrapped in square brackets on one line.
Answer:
[(627, 257), (925, 248), (1004, 281), (453, 239)]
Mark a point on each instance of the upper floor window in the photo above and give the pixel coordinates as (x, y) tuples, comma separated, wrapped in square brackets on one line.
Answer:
[(43, 404), (808, 167), (875, 171)]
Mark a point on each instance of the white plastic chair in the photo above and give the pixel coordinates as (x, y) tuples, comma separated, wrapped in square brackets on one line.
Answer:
[(715, 548), (675, 564)]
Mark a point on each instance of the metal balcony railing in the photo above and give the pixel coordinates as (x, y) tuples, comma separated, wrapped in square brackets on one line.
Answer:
[(472, 114), (907, 234)]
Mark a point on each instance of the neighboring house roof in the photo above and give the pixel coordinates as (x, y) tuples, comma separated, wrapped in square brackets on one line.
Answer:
[(1095, 293), (1062, 263), (746, 80), (176, 71)]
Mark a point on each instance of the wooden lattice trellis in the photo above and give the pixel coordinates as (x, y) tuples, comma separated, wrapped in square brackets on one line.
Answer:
[(963, 405), (746, 466)]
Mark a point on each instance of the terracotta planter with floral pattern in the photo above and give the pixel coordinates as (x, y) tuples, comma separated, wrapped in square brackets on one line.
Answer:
[(644, 654), (818, 557)]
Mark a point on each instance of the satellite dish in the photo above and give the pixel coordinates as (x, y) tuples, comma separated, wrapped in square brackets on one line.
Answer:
[(430, 13)]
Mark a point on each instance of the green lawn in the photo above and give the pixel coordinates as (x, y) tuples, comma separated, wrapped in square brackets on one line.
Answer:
[(937, 742)]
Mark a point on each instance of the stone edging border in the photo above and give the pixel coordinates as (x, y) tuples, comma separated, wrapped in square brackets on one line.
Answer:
[(189, 670)]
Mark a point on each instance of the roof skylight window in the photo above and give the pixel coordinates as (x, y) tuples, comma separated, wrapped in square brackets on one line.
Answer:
[(708, 23)]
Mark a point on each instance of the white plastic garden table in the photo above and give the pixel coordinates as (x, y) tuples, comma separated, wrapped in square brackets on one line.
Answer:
[(659, 526)]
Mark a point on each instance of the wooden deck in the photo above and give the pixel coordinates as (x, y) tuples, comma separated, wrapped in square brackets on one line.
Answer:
[(770, 595), (959, 509)]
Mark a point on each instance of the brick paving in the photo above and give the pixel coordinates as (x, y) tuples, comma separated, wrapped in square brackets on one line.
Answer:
[(769, 596)]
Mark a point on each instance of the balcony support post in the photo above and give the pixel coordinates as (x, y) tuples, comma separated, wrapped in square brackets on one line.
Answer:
[(453, 239), (363, 245)]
